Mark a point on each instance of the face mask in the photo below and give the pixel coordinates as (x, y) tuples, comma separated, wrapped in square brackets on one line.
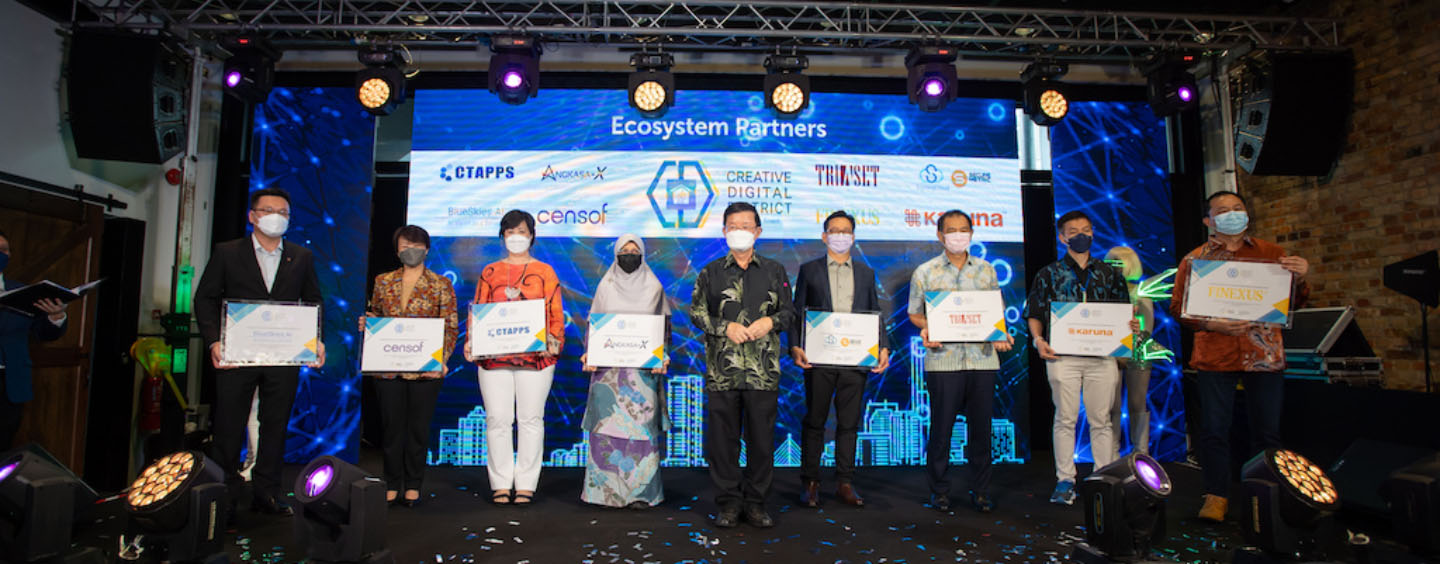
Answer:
[(1232, 222), (4, 261), (957, 242), (517, 244), (273, 225), (628, 262), (1080, 243), (740, 240), (412, 256), (839, 243)]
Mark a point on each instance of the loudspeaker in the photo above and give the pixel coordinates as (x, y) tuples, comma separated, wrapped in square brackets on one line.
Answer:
[(126, 97), (1362, 469), (1295, 125)]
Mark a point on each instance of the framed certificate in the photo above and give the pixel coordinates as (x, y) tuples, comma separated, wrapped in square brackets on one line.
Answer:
[(842, 339), (626, 340), (1091, 329), (965, 317), (259, 333), (507, 328), (1252, 291), (403, 344)]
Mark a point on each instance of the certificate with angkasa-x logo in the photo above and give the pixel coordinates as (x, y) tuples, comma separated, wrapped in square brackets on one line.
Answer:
[(1238, 290), (403, 344)]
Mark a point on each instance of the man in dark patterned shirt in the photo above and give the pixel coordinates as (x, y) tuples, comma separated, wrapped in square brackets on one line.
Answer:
[(1078, 277), (742, 304)]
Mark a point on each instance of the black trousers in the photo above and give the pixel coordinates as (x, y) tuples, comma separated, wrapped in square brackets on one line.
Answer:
[(971, 392), (234, 389), (10, 415), (845, 386), (725, 412), (406, 407)]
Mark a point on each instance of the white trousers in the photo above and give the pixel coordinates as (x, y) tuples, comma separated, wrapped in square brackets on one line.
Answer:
[(515, 398), (1074, 379)]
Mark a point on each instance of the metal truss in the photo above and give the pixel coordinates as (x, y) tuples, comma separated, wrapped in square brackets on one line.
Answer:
[(1067, 34)]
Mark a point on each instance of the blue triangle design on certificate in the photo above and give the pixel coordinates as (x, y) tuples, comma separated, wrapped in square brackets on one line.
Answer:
[(240, 311), (934, 299), (1203, 268), (1059, 309), (598, 320), (373, 325)]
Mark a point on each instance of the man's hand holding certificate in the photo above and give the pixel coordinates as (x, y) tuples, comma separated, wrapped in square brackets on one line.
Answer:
[(1091, 329), (502, 328), (965, 317), (842, 339), (1257, 292), (403, 344), (270, 334), (625, 340)]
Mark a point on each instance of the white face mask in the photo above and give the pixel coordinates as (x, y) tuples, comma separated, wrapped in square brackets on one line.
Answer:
[(839, 243), (517, 244), (957, 242), (273, 225), (740, 240)]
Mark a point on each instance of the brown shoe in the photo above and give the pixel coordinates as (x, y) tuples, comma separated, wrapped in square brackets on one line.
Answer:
[(1214, 508), (811, 496), (849, 496)]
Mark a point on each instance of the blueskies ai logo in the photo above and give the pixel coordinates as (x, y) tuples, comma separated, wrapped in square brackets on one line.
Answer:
[(465, 172)]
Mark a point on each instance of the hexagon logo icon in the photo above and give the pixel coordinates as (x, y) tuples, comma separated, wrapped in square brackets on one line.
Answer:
[(675, 194)]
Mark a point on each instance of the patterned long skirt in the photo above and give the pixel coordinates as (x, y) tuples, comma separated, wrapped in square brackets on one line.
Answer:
[(622, 416)]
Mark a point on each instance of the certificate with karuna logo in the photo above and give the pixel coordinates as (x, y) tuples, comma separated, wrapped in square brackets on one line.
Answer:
[(403, 344), (507, 328), (259, 333), (1091, 329), (965, 317), (1238, 290), (842, 339), (626, 340)]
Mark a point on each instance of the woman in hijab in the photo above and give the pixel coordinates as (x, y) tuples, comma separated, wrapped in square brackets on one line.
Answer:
[(624, 414)]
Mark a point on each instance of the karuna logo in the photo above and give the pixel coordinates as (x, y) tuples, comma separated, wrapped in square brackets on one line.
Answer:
[(462, 172), (572, 175), (916, 218), (675, 194), (930, 174)]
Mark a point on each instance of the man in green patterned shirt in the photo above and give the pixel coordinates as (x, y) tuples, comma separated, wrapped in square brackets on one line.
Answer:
[(742, 304)]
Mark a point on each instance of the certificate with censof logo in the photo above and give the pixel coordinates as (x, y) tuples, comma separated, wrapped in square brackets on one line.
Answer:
[(965, 317), (1091, 329), (270, 333), (403, 344), (626, 340), (1238, 290), (842, 339), (507, 328)]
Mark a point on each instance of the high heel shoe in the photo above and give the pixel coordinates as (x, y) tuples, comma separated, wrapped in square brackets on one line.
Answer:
[(411, 503)]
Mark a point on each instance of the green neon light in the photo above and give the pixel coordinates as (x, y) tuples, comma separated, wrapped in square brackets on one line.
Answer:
[(1155, 287)]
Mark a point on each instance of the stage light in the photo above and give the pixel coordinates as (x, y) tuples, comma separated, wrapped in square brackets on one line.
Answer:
[(1413, 493), (250, 70), (177, 506), (514, 68), (1169, 86), (40, 501), (1045, 99), (1286, 497), (341, 515), (930, 76), (1124, 509), (787, 90), (380, 86), (652, 87)]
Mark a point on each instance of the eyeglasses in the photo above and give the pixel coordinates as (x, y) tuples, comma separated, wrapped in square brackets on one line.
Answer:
[(268, 211)]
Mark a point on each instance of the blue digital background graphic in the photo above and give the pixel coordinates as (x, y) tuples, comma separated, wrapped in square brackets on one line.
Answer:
[(319, 145), (1109, 160)]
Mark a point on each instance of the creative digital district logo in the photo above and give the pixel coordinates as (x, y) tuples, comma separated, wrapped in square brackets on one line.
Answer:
[(572, 175), (454, 173), (681, 194), (934, 175)]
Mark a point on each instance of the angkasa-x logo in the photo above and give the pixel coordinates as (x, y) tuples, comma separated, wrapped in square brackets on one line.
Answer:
[(675, 194)]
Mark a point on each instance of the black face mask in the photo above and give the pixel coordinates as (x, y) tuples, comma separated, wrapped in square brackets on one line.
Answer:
[(628, 262)]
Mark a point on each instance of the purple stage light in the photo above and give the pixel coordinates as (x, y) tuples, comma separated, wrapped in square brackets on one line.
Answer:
[(319, 479), (7, 470), (934, 87), (512, 79), (232, 78), (1186, 93)]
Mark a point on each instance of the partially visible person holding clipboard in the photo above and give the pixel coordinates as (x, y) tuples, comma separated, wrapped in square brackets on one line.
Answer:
[(16, 330)]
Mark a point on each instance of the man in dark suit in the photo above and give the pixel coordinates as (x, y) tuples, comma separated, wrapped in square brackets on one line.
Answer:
[(16, 330), (260, 267), (834, 283)]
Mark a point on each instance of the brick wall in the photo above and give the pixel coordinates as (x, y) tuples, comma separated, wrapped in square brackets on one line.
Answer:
[(1383, 202)]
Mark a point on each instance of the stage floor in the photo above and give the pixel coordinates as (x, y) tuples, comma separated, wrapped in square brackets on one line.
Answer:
[(456, 523)]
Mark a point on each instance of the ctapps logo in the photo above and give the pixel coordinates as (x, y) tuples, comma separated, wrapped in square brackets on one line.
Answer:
[(464, 172), (676, 194)]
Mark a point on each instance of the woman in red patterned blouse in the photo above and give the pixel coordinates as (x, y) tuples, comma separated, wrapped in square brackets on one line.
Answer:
[(407, 400), (515, 387)]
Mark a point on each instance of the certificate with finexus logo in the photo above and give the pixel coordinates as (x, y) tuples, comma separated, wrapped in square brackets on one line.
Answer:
[(507, 328), (1258, 292), (842, 339), (1091, 329), (626, 340), (965, 317), (270, 333), (403, 344)]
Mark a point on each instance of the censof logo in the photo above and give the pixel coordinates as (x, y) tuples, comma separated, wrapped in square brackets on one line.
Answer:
[(681, 194), (466, 172)]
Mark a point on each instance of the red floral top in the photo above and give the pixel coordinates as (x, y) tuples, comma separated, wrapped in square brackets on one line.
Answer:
[(504, 282), (433, 296)]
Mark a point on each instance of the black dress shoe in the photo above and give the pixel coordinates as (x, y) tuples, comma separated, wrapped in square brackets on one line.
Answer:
[(757, 516), (982, 502), (727, 517), (271, 506), (810, 497), (940, 502)]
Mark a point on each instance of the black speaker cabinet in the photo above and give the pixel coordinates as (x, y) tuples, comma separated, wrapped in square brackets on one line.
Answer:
[(1295, 125), (126, 97)]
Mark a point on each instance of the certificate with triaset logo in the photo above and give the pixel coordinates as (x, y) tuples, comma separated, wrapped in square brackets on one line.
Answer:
[(842, 339), (626, 340), (1238, 290), (965, 317), (507, 328), (403, 344), (1091, 329), (259, 333)]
